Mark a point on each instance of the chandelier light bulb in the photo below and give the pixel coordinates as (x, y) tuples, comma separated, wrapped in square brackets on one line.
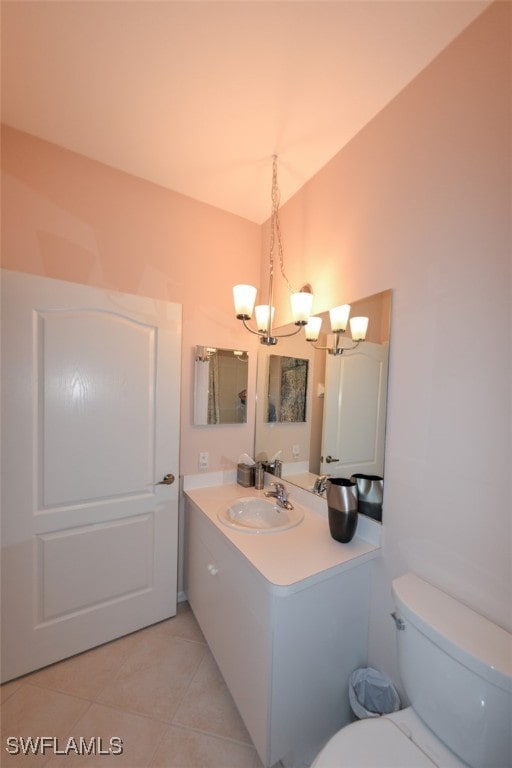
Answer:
[(358, 328), (339, 317), (312, 328), (244, 297), (302, 304), (261, 312)]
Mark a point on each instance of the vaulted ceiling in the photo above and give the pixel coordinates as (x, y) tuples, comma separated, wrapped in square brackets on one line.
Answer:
[(198, 95)]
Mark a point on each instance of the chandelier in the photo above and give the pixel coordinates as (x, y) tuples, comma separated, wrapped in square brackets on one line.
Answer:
[(339, 321), (245, 295)]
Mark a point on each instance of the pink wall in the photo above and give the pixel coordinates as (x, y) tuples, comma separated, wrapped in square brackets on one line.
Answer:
[(420, 202), (68, 217)]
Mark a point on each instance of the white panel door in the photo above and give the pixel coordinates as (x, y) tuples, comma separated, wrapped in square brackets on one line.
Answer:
[(355, 411), (90, 425)]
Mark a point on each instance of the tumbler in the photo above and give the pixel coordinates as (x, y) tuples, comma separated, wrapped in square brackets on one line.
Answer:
[(342, 507)]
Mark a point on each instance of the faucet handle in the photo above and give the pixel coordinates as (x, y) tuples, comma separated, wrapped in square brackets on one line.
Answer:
[(319, 485)]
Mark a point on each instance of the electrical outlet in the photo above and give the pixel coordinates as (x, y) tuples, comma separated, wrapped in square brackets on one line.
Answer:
[(203, 460), (295, 451)]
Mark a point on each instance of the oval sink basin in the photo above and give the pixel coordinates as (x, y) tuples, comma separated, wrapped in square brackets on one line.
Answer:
[(253, 514)]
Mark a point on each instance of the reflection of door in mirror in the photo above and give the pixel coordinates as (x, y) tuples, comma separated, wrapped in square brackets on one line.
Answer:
[(287, 388), (220, 386), (355, 411)]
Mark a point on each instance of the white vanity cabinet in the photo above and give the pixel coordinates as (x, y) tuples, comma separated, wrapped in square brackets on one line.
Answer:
[(285, 652)]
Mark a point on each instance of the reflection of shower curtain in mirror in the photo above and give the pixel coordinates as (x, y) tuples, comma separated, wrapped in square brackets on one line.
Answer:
[(213, 391), (293, 389)]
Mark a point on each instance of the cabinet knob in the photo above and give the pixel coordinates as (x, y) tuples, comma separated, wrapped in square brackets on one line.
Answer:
[(212, 569)]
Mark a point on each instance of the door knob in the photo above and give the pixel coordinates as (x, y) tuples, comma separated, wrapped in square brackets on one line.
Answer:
[(167, 480), (330, 459)]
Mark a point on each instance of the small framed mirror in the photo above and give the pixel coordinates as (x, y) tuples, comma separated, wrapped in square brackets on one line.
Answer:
[(220, 386)]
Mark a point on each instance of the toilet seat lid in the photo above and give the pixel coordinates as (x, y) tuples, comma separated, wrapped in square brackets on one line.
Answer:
[(370, 743)]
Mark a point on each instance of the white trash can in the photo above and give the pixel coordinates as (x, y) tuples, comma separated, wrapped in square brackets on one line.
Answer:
[(372, 694)]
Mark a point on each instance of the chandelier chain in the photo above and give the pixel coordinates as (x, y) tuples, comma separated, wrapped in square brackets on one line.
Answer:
[(275, 228)]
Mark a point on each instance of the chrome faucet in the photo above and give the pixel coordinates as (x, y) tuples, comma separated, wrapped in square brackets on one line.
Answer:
[(280, 495), (319, 486)]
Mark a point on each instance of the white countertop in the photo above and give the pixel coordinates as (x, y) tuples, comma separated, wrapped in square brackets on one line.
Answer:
[(304, 480), (287, 558)]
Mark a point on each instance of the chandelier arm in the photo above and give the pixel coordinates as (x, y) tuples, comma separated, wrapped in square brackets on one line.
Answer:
[(264, 334), (251, 330), (292, 333), (337, 350), (244, 296), (349, 349)]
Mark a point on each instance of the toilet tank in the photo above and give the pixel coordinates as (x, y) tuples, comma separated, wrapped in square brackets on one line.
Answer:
[(456, 667)]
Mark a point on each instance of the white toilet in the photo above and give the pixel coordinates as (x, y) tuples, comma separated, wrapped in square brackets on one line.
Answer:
[(456, 668)]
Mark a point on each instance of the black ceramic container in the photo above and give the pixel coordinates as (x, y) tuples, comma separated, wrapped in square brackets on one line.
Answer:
[(342, 508)]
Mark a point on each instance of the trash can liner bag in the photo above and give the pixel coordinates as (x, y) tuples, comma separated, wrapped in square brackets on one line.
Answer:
[(372, 694)]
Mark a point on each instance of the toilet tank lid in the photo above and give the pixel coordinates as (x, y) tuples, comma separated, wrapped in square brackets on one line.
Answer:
[(472, 639)]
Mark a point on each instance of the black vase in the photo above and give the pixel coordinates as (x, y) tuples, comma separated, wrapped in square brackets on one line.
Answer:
[(369, 494), (342, 508)]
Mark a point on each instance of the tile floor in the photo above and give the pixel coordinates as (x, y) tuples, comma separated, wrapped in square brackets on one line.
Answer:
[(158, 689)]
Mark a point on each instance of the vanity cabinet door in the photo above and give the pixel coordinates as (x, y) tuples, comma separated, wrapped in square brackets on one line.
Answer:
[(229, 606)]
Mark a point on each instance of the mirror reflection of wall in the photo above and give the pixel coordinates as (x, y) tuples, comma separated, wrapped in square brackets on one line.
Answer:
[(220, 386), (287, 387)]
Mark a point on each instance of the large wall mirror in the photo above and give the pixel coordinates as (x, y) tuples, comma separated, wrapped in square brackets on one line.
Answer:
[(346, 400), (220, 386)]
